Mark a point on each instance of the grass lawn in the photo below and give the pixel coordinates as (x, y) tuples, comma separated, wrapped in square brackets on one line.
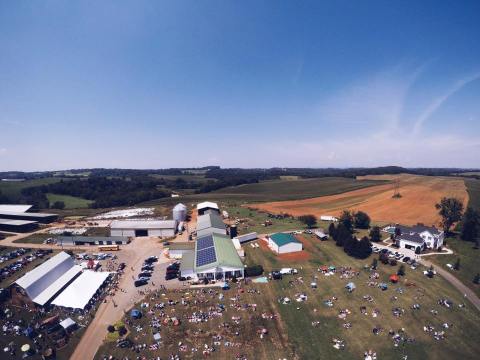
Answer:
[(360, 337), (304, 330), (469, 261), (254, 220), (71, 202)]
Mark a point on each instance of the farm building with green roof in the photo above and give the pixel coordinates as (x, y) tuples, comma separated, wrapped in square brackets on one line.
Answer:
[(214, 258), (283, 243)]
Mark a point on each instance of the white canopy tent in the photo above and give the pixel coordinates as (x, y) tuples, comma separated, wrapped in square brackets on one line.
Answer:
[(67, 323), (78, 293), (57, 285), (15, 208), (43, 282)]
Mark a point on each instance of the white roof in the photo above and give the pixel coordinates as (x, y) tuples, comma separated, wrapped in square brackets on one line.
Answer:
[(15, 208), (57, 285), (78, 293), (67, 323), (40, 271), (143, 224), (16, 222), (206, 205)]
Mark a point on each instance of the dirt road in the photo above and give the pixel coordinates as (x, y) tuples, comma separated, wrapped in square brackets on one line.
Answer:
[(469, 294), (115, 307)]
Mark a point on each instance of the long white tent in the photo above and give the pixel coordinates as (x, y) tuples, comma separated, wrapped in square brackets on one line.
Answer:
[(79, 292), (57, 285), (15, 208), (43, 282)]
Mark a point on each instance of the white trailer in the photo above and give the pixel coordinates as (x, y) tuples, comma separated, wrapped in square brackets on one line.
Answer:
[(328, 218)]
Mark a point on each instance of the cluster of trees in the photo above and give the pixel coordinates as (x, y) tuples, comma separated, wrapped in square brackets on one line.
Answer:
[(309, 220), (351, 220), (105, 192), (343, 237)]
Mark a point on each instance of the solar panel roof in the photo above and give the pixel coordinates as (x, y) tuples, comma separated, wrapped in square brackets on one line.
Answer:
[(206, 256), (204, 242)]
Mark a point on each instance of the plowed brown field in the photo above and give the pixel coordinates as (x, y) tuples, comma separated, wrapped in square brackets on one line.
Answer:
[(419, 194)]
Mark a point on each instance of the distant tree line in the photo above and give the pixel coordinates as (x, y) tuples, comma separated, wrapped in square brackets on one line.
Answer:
[(105, 192)]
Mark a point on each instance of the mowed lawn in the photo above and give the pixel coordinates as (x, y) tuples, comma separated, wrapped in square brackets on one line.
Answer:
[(315, 342), (71, 202), (253, 220), (469, 261)]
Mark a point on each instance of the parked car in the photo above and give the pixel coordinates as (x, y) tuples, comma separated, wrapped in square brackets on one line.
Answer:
[(140, 282), (170, 276), (276, 275), (406, 259), (144, 275)]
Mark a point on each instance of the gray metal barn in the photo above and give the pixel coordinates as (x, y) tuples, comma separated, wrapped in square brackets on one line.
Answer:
[(139, 228)]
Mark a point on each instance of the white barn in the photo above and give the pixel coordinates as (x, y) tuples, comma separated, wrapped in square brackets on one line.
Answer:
[(282, 243), (139, 228)]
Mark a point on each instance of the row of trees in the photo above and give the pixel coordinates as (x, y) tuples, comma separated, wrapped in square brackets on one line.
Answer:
[(343, 237)]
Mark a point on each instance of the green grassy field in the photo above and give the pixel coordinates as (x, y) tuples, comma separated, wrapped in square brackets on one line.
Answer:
[(304, 330), (13, 189), (469, 261), (254, 220), (71, 202), (360, 337), (275, 190), (473, 189)]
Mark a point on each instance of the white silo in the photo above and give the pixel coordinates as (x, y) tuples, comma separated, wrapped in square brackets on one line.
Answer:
[(180, 212)]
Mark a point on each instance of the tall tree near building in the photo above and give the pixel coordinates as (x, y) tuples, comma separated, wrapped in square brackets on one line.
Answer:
[(347, 220), (361, 220), (309, 220), (341, 235), (450, 209), (331, 230), (375, 235)]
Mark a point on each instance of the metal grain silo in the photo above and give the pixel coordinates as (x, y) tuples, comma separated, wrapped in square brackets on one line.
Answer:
[(179, 212)]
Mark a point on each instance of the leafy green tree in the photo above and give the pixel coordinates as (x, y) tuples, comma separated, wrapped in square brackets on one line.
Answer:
[(361, 220), (346, 218), (309, 220), (470, 225), (331, 230), (342, 235), (375, 235), (450, 209), (364, 248)]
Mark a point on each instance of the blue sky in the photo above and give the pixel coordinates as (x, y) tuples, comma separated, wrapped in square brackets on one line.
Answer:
[(152, 84)]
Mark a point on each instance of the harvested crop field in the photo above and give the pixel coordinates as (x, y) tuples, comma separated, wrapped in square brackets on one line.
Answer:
[(419, 194)]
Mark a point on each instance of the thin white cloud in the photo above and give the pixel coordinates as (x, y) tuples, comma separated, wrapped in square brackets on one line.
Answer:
[(439, 101), (3, 151)]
